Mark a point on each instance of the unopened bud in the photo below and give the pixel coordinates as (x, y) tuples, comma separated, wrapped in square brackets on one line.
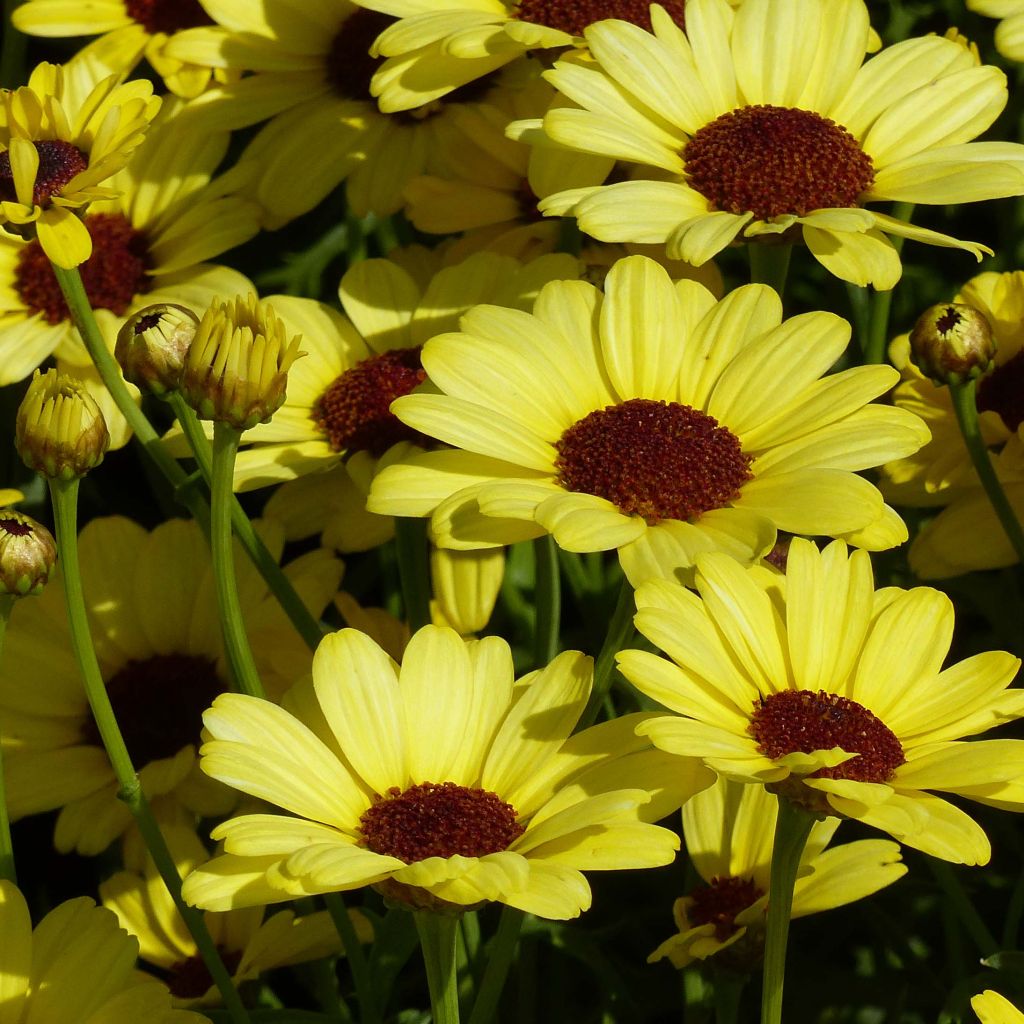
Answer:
[(236, 371), (28, 554), (152, 345), (952, 343), (60, 431)]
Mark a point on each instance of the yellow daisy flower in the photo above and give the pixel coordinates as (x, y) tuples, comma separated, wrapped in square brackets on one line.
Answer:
[(441, 781), (652, 420), (435, 48), (831, 694), (728, 831), (992, 1008), (152, 609), (61, 136), (1010, 30), (249, 943), (129, 30), (75, 967), (148, 244), (767, 125)]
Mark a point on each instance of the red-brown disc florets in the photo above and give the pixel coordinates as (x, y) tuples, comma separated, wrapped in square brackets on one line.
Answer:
[(190, 979), (439, 820), (1002, 392), (167, 15), (659, 460), (59, 162), (159, 702), (773, 161), (573, 16), (720, 901), (354, 412), (113, 275), (349, 66), (799, 720), (15, 527)]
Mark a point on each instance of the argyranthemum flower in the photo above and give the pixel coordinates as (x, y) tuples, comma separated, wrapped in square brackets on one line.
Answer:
[(435, 49), (832, 694), (441, 781), (249, 942), (129, 30), (149, 245), (152, 609), (652, 420), (61, 136), (767, 126), (992, 1008), (728, 831), (77, 967), (1010, 30)]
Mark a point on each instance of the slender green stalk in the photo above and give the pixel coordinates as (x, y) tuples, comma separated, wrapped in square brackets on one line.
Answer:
[(728, 996), (356, 956), (437, 940), (70, 282), (64, 495), (792, 828), (620, 629), (499, 961), (236, 643), (960, 903), (281, 587), (881, 302), (966, 410), (12, 53), (7, 871), (548, 600), (414, 570), (769, 264)]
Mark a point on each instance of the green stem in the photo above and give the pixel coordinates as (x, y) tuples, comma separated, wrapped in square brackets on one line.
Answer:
[(881, 302), (960, 903), (64, 495), (792, 828), (769, 264), (356, 956), (499, 962), (620, 629), (12, 54), (236, 643), (728, 996), (7, 870), (437, 940), (281, 587), (548, 600), (414, 570), (966, 410)]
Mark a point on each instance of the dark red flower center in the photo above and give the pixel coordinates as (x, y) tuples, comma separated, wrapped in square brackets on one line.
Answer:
[(167, 15), (573, 16), (1002, 391), (720, 901), (659, 460), (439, 820), (349, 64), (773, 161), (799, 720), (15, 527), (190, 979), (59, 162), (159, 702), (113, 275), (354, 412)]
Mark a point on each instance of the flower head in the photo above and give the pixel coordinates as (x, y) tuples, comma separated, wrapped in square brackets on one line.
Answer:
[(649, 419), (442, 781), (952, 343), (152, 346), (60, 430), (61, 136), (832, 694), (28, 554), (236, 369)]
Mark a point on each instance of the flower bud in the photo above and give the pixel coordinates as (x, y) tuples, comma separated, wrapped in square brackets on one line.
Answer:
[(236, 370), (27, 554), (152, 345), (60, 431), (952, 343)]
